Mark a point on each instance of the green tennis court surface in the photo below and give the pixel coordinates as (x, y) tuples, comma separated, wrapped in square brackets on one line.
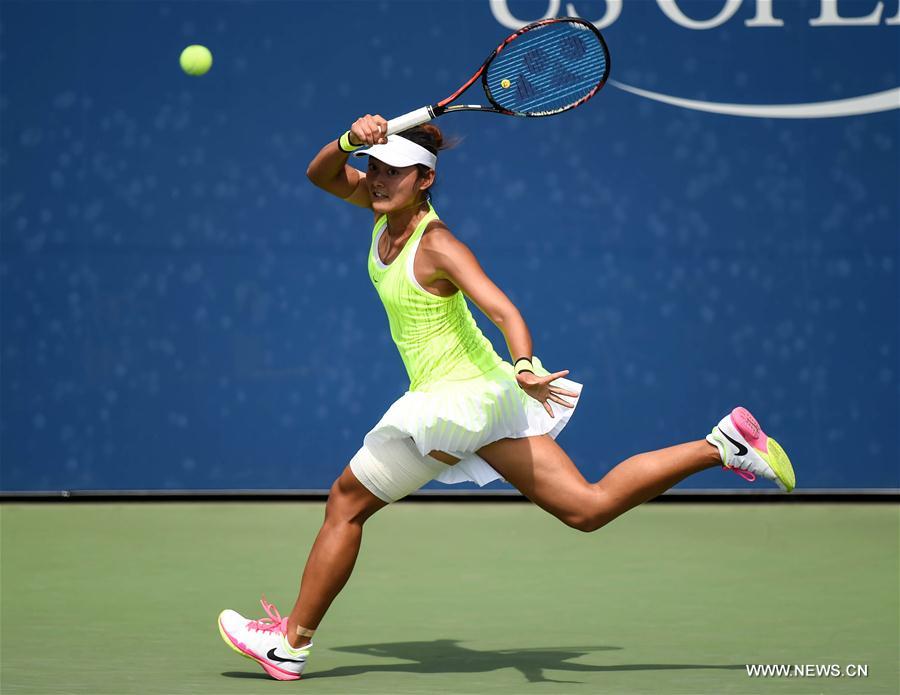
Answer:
[(468, 598)]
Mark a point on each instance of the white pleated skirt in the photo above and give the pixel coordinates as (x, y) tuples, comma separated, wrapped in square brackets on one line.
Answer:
[(458, 418)]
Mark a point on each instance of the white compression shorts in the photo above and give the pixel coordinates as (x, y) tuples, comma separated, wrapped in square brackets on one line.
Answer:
[(396, 471)]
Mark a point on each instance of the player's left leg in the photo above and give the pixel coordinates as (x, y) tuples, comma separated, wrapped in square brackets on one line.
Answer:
[(540, 469), (544, 473)]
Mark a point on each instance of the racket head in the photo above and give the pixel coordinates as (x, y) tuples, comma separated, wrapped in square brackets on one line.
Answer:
[(547, 67)]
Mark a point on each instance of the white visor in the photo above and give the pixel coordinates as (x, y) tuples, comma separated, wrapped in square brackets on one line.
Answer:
[(400, 152)]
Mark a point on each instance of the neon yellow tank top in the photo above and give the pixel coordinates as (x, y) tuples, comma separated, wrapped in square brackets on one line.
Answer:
[(437, 337)]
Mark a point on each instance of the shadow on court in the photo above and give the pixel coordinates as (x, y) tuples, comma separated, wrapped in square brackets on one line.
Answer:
[(447, 656)]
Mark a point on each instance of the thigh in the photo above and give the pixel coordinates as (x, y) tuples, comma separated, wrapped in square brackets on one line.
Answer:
[(393, 468), (540, 469), (444, 457)]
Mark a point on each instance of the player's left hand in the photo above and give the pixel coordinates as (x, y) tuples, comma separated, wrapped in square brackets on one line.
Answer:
[(541, 390)]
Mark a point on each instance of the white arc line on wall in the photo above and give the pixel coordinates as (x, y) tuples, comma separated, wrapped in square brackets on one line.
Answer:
[(855, 106)]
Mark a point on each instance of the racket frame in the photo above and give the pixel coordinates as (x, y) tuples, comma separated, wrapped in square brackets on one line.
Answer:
[(427, 113)]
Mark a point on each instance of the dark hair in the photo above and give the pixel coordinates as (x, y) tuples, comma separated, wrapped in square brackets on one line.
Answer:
[(432, 139)]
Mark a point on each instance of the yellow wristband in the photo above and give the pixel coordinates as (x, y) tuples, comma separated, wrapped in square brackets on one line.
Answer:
[(523, 364), (346, 146)]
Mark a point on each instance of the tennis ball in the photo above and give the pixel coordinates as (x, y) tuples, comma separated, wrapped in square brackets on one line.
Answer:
[(505, 83), (196, 60)]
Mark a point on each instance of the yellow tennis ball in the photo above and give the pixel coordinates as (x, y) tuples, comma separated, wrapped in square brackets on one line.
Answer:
[(196, 60), (505, 84)]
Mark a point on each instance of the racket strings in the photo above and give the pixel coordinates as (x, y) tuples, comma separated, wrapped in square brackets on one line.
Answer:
[(547, 88), (548, 70)]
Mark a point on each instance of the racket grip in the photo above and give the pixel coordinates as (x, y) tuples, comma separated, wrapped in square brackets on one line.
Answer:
[(410, 120)]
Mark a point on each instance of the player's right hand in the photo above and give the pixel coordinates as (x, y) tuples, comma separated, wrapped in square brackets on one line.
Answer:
[(369, 130)]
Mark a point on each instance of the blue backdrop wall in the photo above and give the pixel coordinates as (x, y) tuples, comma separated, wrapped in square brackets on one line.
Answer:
[(181, 308)]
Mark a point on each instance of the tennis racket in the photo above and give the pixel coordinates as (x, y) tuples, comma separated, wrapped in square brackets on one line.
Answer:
[(545, 68)]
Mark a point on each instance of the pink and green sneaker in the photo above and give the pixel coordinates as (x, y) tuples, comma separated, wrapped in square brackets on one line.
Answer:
[(265, 642), (746, 450)]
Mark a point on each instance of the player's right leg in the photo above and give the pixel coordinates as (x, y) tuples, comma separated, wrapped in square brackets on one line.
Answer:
[(372, 480), (281, 645), (333, 554)]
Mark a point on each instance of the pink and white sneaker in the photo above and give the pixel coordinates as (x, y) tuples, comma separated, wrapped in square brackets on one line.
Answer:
[(746, 450), (265, 642)]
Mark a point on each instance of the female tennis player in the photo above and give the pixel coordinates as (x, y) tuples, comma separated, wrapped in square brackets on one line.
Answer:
[(468, 415)]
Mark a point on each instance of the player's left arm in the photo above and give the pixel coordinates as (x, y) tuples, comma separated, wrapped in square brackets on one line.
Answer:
[(452, 260)]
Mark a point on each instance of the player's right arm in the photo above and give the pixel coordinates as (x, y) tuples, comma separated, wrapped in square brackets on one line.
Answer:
[(330, 171)]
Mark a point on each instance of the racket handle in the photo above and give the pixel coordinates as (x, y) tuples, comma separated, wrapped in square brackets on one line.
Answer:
[(410, 120)]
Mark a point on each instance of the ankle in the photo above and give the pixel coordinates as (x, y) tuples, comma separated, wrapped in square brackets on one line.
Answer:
[(713, 456), (298, 636)]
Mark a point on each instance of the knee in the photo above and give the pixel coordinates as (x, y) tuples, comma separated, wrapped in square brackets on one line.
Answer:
[(338, 508), (344, 506), (587, 523), (339, 490), (591, 514)]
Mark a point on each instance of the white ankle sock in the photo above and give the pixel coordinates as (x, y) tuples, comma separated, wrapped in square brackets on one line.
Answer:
[(293, 650), (718, 444)]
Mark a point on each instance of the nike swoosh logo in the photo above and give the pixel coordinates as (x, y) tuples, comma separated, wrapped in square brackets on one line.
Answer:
[(272, 656), (741, 449)]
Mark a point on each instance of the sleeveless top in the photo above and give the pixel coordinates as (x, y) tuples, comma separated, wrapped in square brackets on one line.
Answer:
[(437, 337)]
